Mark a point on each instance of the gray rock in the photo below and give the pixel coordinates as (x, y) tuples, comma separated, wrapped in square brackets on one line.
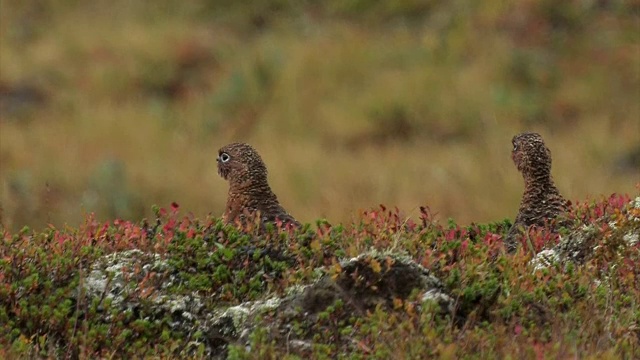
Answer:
[(579, 245), (383, 278)]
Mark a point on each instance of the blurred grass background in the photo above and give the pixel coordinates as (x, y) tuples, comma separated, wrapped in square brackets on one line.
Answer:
[(113, 106)]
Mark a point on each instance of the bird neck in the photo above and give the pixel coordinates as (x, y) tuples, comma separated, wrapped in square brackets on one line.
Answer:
[(539, 184), (251, 187)]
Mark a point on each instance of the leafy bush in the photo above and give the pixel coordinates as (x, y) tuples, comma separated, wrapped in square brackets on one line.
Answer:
[(500, 305)]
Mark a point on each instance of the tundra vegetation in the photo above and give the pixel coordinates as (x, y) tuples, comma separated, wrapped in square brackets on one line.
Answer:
[(385, 286), (109, 107)]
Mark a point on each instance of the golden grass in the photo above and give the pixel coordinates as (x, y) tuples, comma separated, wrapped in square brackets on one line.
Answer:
[(316, 97)]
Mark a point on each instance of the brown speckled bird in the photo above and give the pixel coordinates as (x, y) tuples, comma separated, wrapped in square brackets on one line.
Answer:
[(249, 191), (541, 201)]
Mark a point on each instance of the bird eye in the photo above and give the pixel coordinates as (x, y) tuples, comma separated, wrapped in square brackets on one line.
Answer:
[(515, 146), (224, 157)]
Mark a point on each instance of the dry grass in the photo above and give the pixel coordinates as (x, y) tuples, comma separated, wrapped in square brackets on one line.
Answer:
[(347, 113)]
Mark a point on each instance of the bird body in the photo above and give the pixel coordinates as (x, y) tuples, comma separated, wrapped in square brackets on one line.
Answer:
[(250, 195), (541, 202)]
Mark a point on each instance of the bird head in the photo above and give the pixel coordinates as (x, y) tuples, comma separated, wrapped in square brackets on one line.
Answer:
[(239, 163), (530, 154)]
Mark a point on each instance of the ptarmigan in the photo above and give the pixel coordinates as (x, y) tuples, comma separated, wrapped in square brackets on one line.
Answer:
[(249, 191), (541, 202)]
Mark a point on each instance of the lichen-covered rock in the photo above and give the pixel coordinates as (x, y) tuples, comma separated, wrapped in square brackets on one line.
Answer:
[(370, 280), (118, 274), (580, 245), (357, 287), (544, 259), (138, 283), (123, 276)]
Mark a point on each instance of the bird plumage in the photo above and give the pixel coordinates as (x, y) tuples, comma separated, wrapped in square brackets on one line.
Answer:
[(249, 192), (541, 202)]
